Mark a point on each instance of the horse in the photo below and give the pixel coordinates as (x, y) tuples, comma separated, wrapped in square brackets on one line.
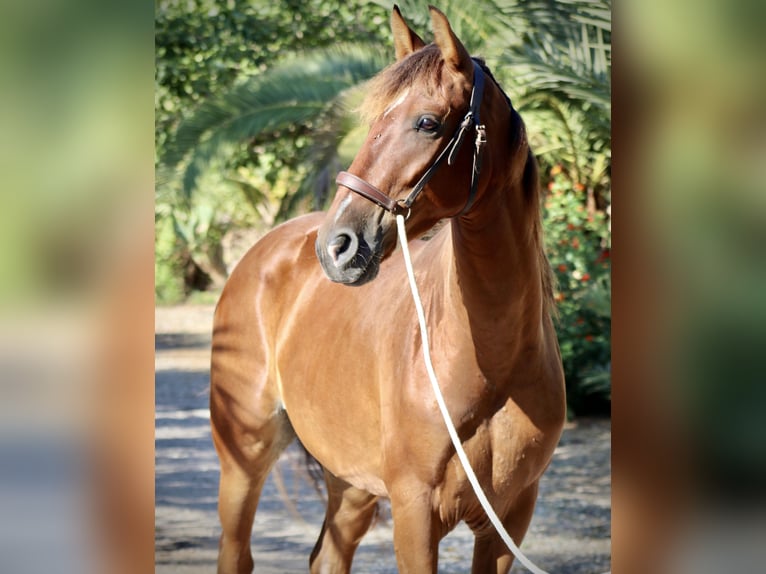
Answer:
[(315, 333)]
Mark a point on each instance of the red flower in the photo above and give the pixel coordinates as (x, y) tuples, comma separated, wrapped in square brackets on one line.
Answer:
[(575, 243), (603, 256), (563, 268), (589, 338), (578, 187), (585, 277), (570, 226)]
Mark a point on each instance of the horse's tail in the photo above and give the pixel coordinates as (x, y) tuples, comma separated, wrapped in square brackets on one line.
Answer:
[(304, 468), (308, 469)]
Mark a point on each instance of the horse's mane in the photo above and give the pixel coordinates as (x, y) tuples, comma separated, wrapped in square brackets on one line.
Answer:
[(424, 67), (531, 184)]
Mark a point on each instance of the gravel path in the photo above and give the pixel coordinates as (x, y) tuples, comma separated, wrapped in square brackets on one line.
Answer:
[(570, 531)]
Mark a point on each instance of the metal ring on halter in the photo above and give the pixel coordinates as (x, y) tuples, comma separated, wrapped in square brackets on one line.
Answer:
[(402, 205)]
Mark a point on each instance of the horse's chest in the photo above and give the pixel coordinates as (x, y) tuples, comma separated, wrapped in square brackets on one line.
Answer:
[(507, 454)]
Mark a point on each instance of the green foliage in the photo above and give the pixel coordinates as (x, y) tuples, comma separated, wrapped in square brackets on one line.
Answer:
[(578, 246), (291, 99), (203, 46), (169, 284), (480, 25), (565, 49)]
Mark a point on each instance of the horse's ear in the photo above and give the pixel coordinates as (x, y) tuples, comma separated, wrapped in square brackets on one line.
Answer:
[(452, 49), (405, 40)]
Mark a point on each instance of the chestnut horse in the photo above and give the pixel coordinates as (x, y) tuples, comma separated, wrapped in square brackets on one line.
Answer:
[(296, 353)]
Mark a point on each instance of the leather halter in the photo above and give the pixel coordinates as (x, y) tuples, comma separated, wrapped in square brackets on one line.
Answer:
[(471, 118)]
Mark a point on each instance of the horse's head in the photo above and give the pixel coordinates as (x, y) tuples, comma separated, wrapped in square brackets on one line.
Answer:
[(415, 109)]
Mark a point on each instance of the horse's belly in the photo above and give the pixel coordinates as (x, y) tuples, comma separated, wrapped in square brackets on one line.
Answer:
[(332, 400), (372, 484), (346, 445)]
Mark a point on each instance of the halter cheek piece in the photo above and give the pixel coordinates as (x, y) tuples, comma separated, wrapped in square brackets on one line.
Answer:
[(471, 118)]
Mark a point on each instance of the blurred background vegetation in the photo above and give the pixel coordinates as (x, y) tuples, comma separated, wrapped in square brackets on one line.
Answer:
[(254, 116)]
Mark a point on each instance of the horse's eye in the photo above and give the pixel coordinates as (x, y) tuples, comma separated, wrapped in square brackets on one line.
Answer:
[(427, 124)]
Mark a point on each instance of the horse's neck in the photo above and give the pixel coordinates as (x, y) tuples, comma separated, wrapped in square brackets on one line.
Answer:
[(498, 279)]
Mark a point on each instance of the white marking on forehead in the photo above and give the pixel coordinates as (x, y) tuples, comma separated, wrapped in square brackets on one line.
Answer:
[(397, 102), (342, 207)]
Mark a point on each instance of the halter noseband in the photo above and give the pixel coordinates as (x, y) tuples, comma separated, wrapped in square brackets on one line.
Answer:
[(402, 206)]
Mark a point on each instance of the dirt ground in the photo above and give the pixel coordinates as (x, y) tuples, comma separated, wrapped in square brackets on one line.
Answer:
[(570, 531)]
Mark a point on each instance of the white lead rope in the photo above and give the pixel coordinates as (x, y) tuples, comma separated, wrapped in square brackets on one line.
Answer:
[(445, 413)]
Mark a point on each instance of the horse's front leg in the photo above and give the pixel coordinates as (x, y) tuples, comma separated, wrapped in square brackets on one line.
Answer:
[(416, 533), (490, 553)]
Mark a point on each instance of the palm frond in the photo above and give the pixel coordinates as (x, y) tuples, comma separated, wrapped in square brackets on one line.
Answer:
[(293, 93), (571, 57), (530, 15)]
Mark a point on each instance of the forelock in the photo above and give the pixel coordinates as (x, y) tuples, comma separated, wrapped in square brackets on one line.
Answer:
[(422, 67)]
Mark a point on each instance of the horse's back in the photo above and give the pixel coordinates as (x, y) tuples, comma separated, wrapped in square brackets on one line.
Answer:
[(287, 248)]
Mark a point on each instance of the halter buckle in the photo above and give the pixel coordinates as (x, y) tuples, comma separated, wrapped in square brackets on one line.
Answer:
[(481, 137)]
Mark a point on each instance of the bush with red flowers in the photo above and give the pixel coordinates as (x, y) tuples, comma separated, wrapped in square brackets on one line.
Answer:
[(578, 243)]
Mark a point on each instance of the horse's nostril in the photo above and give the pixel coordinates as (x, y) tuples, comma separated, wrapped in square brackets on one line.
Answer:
[(342, 248), (338, 245)]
